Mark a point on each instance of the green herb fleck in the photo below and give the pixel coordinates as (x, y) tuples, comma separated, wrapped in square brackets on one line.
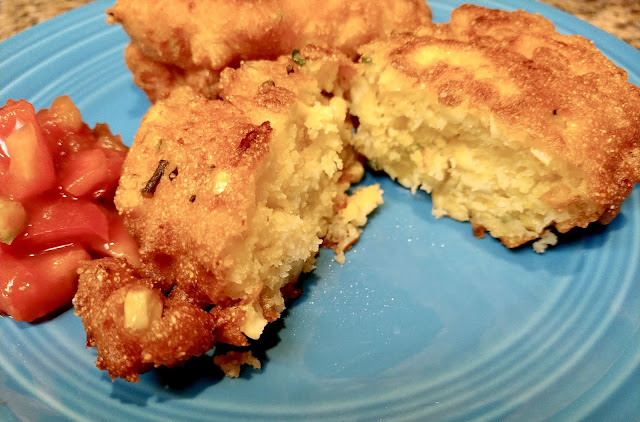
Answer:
[(298, 58), (366, 59)]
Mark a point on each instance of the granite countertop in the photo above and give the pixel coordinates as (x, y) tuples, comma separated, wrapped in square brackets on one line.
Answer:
[(618, 17)]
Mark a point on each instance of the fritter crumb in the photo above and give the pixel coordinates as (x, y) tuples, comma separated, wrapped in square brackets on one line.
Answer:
[(231, 362)]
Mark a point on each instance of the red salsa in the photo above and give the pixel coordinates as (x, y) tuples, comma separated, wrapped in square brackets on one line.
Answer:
[(57, 182)]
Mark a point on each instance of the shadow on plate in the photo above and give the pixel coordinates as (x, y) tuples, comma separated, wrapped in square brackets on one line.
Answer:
[(52, 315), (200, 373), (572, 248), (570, 245)]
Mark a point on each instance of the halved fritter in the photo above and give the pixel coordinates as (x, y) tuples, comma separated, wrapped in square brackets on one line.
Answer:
[(189, 42), (229, 200), (504, 121)]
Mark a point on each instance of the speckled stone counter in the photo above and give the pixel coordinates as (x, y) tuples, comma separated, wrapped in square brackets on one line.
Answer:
[(619, 17)]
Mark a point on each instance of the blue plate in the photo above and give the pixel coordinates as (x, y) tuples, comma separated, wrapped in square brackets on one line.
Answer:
[(423, 322)]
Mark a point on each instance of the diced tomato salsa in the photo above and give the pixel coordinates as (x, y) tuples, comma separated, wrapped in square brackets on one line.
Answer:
[(57, 182)]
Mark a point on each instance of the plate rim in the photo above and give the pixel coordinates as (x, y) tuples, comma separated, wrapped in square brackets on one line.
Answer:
[(603, 37)]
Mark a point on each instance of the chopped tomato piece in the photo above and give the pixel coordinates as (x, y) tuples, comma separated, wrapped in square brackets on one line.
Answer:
[(87, 172), (65, 113), (64, 221), (92, 173), (115, 160), (14, 115), (108, 141), (14, 275), (57, 181), (13, 220), (64, 130), (4, 159), (30, 171), (121, 244), (35, 286)]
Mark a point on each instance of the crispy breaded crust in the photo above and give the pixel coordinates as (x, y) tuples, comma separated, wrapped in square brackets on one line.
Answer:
[(187, 191), (213, 149), (214, 33), (229, 200), (284, 80), (550, 92), (157, 78), (183, 331), (576, 103), (194, 40)]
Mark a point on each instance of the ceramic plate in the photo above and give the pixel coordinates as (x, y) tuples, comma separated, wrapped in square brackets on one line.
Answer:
[(423, 322)]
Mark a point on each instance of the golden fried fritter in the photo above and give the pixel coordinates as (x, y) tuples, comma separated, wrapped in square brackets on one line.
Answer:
[(189, 42), (504, 121), (133, 325), (229, 200)]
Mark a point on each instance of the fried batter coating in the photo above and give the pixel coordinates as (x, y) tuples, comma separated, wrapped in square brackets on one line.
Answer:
[(229, 201), (504, 121), (189, 42), (180, 331)]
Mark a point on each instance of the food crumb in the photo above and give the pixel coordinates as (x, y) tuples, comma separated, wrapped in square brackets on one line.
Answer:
[(231, 362), (547, 239)]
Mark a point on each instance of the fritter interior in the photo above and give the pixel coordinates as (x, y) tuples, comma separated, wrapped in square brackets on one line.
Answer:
[(505, 122)]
